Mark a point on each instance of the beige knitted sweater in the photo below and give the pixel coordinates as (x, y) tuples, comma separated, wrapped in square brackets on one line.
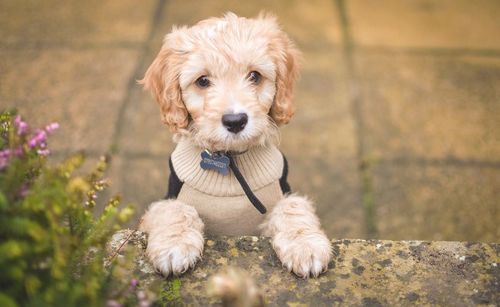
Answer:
[(220, 199)]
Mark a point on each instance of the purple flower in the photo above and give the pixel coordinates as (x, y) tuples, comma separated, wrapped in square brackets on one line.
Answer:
[(3, 162), (39, 138), (5, 153), (4, 158), (21, 126), (51, 127), (37, 141), (43, 152), (133, 285), (19, 151)]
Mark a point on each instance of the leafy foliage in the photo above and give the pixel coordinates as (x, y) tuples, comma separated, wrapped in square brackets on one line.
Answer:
[(52, 247)]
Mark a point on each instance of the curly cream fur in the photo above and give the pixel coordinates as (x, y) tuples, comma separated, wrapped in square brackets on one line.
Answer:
[(175, 240), (226, 50), (162, 80), (297, 237)]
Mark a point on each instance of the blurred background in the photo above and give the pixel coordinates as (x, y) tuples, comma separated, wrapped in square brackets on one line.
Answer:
[(397, 132)]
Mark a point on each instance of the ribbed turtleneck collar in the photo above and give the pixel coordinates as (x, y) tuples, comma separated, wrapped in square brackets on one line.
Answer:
[(260, 165)]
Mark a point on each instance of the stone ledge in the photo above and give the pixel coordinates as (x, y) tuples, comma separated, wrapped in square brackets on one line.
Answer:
[(363, 272)]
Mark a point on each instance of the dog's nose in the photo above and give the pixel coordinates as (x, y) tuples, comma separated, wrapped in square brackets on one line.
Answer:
[(235, 122)]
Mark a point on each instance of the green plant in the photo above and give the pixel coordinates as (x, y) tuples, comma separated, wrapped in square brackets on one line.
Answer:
[(52, 246)]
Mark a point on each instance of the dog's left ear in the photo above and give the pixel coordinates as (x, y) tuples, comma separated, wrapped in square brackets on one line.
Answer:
[(286, 58)]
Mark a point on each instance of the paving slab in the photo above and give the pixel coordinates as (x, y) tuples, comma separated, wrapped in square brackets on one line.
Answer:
[(33, 23), (143, 130), (437, 202), (425, 24), (320, 144), (139, 180), (334, 188), (82, 90), (430, 107), (312, 24)]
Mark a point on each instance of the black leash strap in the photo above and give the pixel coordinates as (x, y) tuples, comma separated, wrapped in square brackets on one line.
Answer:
[(253, 199)]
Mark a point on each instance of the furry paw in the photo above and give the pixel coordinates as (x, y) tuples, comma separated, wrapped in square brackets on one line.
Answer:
[(175, 255), (305, 254), (297, 237), (175, 240)]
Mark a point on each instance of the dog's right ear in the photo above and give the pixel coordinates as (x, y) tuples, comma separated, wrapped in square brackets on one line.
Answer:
[(286, 58), (162, 79)]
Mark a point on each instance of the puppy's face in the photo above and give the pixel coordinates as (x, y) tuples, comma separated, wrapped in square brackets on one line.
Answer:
[(226, 83)]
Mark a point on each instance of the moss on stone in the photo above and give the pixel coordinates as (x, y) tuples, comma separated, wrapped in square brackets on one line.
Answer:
[(362, 272), (170, 294)]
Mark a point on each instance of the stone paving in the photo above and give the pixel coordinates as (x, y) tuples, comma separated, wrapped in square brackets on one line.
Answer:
[(361, 273), (397, 134)]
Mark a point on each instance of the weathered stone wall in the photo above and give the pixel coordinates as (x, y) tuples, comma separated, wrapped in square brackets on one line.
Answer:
[(363, 272)]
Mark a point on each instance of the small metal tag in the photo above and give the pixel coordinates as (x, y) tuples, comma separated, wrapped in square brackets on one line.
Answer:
[(216, 161)]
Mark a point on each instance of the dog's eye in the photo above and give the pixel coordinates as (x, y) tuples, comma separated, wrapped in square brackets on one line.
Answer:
[(254, 77), (203, 82)]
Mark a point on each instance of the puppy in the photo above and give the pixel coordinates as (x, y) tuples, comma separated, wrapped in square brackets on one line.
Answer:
[(224, 86)]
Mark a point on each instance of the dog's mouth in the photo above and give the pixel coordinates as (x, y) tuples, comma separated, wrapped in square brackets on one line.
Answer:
[(228, 142), (237, 142), (220, 138)]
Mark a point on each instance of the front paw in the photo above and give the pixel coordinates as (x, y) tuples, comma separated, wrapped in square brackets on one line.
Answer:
[(175, 239), (305, 254), (175, 255)]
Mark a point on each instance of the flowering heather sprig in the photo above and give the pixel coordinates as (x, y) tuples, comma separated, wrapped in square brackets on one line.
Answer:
[(38, 141), (21, 126), (18, 151), (40, 198), (4, 158), (96, 187), (51, 127), (43, 152), (133, 283)]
